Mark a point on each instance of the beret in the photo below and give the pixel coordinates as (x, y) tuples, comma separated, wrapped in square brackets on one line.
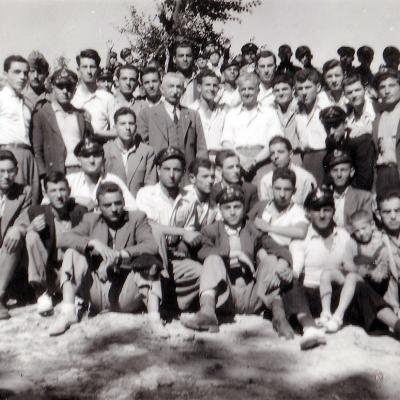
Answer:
[(249, 48), (64, 76), (87, 147), (333, 115), (318, 198), (336, 157), (168, 153), (113, 54), (105, 75), (345, 51), (230, 193), (232, 62)]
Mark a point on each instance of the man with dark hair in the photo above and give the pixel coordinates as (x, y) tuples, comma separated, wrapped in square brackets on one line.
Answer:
[(98, 103), (249, 54), (126, 55), (15, 200), (102, 261), (266, 69), (127, 156), (346, 55), (47, 224), (304, 56), (15, 122), (58, 127), (151, 83), (286, 66), (365, 55), (229, 96), (391, 56), (333, 75)]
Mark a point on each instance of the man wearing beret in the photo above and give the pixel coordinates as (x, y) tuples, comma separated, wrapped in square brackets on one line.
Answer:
[(286, 66), (346, 55), (58, 127), (353, 138), (348, 200), (35, 91), (102, 261), (365, 55), (391, 56), (126, 55)]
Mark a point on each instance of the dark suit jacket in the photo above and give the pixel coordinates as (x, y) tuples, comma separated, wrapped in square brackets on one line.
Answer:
[(48, 144), (159, 131), (250, 194), (48, 235), (355, 200), (141, 168)]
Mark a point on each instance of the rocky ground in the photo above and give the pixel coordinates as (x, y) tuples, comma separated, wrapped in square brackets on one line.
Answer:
[(113, 356)]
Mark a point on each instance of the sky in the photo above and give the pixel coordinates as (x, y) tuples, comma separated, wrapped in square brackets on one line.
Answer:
[(63, 27)]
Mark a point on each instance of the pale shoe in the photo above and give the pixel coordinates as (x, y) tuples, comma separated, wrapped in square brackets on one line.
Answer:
[(323, 319), (45, 305), (312, 337), (156, 326), (66, 318), (334, 325)]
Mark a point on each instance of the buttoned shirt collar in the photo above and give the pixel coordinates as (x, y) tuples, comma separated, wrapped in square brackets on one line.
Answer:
[(314, 234), (170, 109)]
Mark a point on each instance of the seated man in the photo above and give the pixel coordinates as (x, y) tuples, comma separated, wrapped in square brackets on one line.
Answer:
[(48, 223), (15, 200), (228, 168), (230, 280), (126, 156), (84, 184), (101, 261), (281, 152)]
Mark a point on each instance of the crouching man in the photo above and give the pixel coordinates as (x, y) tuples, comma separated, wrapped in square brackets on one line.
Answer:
[(230, 280), (106, 261)]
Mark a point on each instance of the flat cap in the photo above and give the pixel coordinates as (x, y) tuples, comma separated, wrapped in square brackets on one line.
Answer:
[(318, 198), (88, 147), (230, 193), (336, 157), (64, 76), (346, 51), (125, 53), (391, 51), (38, 61), (333, 115), (302, 51), (168, 153), (249, 48)]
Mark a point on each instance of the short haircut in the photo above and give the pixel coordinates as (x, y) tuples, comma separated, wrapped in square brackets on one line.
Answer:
[(123, 111), (248, 76), (182, 44), (13, 58), (206, 73), (266, 54), (199, 162), (382, 76), (107, 187), (361, 215), (284, 173), (149, 70), (329, 65), (54, 177), (172, 75), (392, 193), (223, 155), (283, 78), (126, 66), (88, 53), (281, 139), (8, 155), (307, 74), (352, 78)]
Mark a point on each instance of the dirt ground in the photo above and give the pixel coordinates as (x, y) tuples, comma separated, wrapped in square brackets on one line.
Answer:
[(113, 356)]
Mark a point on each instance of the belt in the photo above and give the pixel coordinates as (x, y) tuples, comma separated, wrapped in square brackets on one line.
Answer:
[(10, 146)]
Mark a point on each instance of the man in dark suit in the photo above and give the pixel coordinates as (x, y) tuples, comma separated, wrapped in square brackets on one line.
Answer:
[(101, 264), (15, 200), (169, 124), (48, 223), (228, 168), (58, 127)]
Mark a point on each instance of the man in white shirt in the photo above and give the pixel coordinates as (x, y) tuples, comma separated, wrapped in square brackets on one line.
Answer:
[(229, 96), (265, 69), (98, 103), (15, 119)]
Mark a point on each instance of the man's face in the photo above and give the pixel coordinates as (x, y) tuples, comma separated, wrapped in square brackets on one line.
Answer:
[(113, 60), (204, 180), (266, 69), (17, 75), (250, 57), (280, 155), (283, 93), (183, 58), (8, 172), (170, 173), (172, 89), (112, 206), (282, 191), (322, 218), (231, 74), (248, 90), (214, 59), (286, 55), (128, 81), (341, 175), (104, 84), (232, 213), (355, 93), (389, 211), (201, 63), (63, 93), (231, 170), (126, 127), (209, 88), (334, 78), (389, 90), (307, 92), (129, 59), (58, 194), (92, 164), (87, 70), (152, 84), (347, 60), (337, 131), (37, 78), (363, 230)]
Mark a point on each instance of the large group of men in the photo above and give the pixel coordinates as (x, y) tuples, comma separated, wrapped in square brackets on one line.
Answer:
[(210, 186)]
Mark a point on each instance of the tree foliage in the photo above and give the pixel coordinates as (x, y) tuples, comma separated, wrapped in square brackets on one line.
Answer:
[(190, 19)]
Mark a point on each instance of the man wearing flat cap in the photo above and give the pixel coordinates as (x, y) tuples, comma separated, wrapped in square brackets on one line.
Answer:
[(35, 91), (346, 55), (365, 55), (58, 127), (351, 138), (348, 200), (391, 56)]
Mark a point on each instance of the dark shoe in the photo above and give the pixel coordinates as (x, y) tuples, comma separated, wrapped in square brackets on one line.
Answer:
[(4, 314), (201, 322), (282, 327)]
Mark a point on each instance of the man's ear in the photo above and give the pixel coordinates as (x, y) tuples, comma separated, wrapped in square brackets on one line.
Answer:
[(377, 214), (192, 179), (319, 87)]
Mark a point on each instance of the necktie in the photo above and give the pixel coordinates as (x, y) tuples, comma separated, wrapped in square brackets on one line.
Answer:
[(176, 119)]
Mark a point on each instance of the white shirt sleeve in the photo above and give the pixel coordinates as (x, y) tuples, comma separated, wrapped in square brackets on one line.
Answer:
[(227, 137), (296, 248)]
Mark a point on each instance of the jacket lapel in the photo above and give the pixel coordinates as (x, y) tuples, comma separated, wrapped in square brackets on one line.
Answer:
[(11, 208), (51, 118), (116, 160), (134, 161), (184, 122), (161, 120)]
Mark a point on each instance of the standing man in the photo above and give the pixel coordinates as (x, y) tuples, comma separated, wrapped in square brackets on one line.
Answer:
[(249, 54), (391, 56), (346, 55), (151, 83), (304, 56), (229, 96), (170, 124), (98, 103), (15, 120), (365, 55), (286, 66), (265, 69)]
